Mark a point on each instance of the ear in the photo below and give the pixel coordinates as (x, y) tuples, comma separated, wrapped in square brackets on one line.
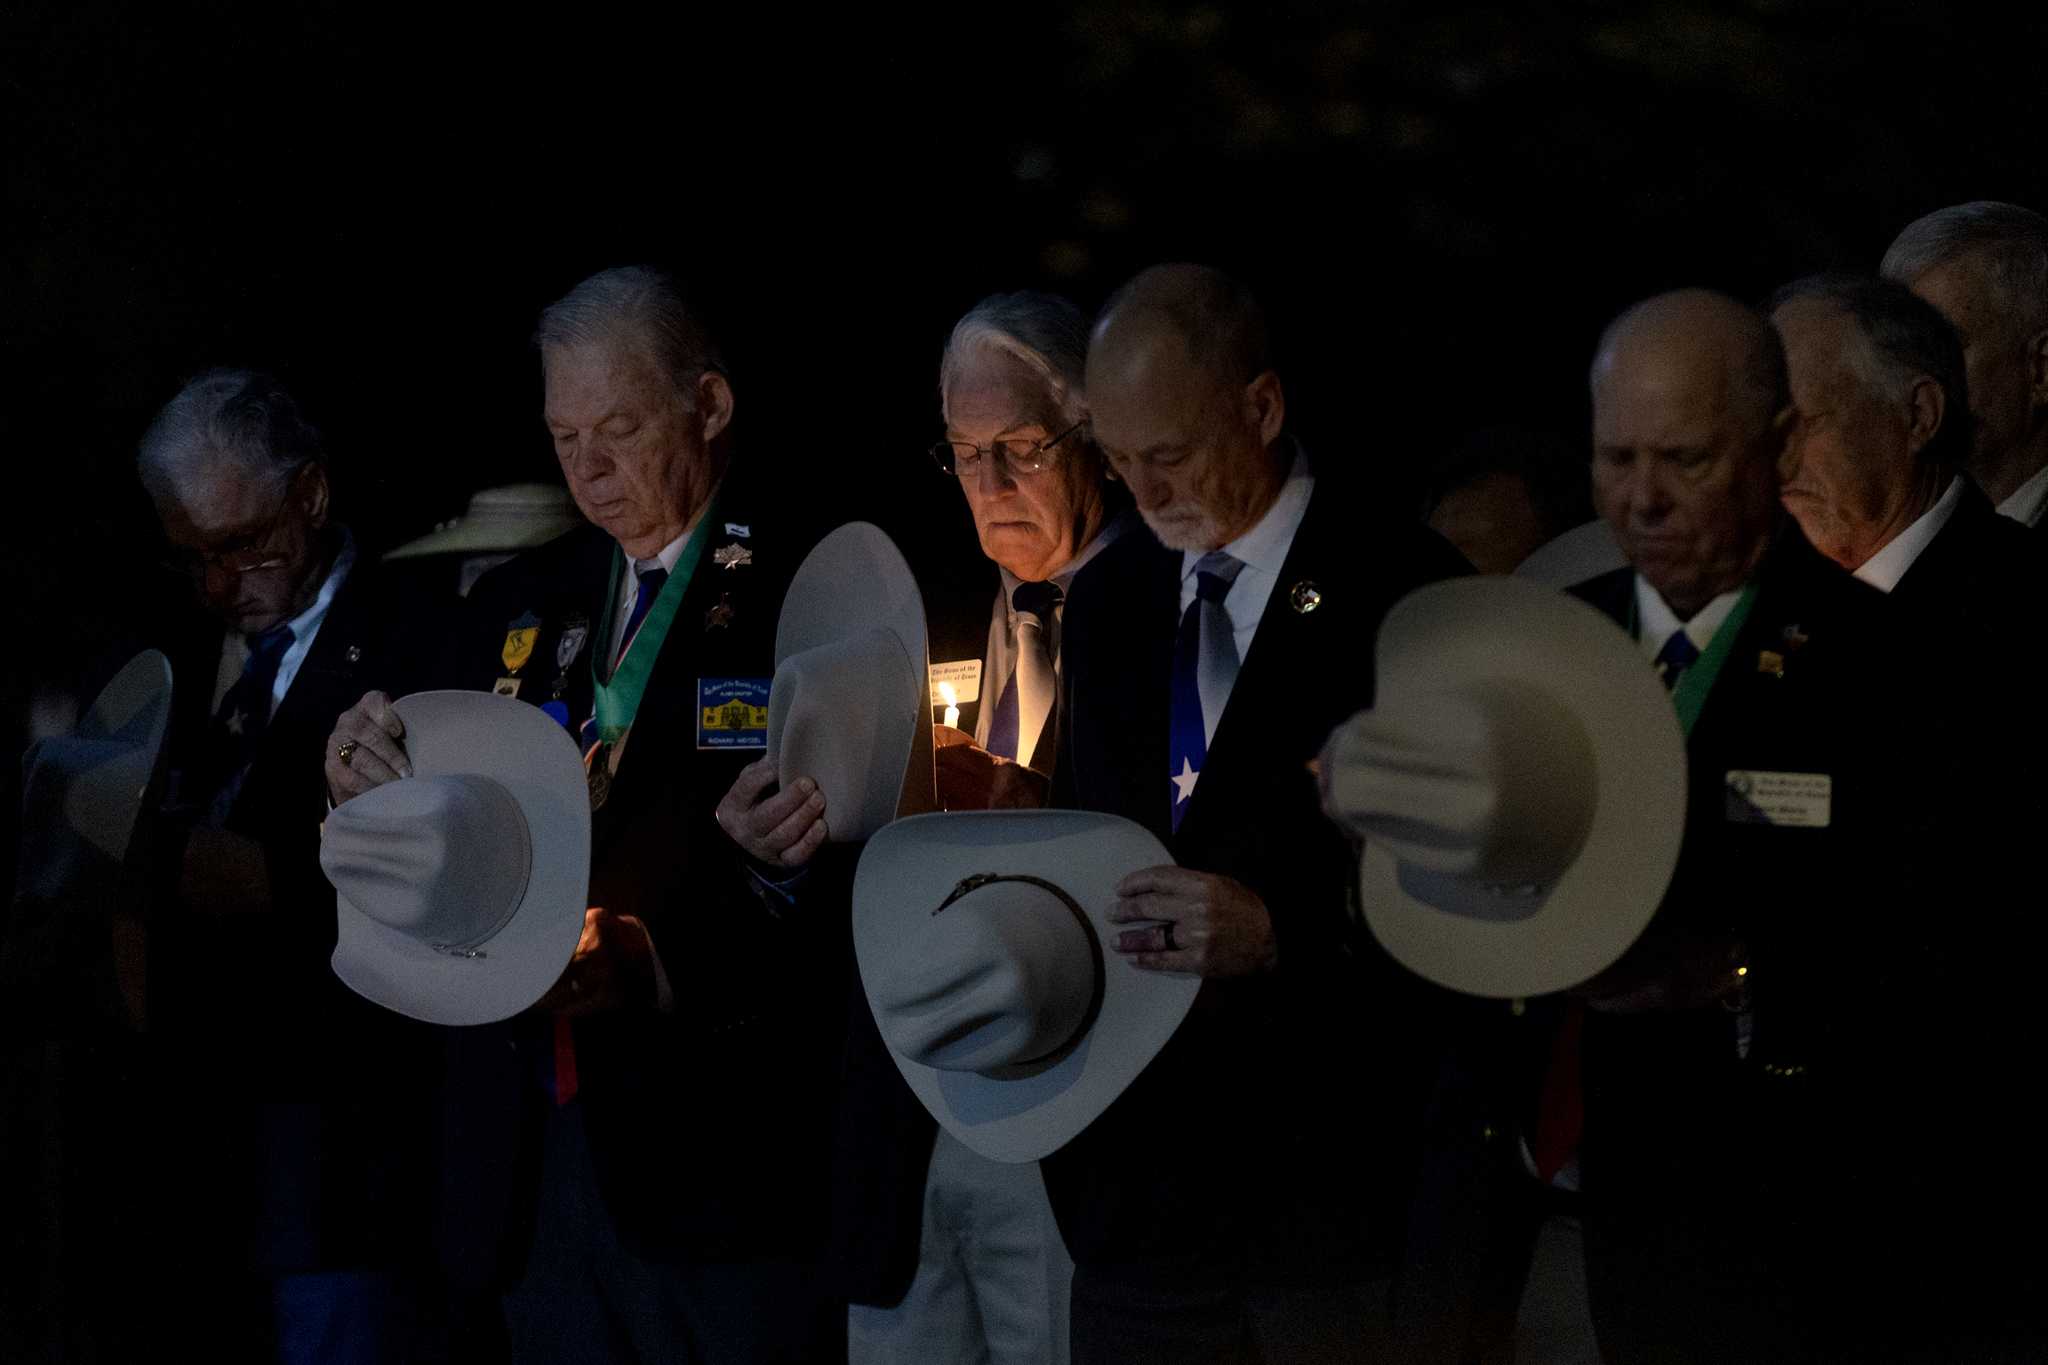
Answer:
[(1786, 438), (1925, 406), (313, 493), (1266, 406), (2037, 368), (714, 404)]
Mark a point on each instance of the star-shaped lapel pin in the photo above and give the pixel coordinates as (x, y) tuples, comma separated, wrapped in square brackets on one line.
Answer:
[(1184, 782)]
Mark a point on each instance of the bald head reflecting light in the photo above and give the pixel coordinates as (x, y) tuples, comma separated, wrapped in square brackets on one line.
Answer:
[(1690, 425), (1185, 404)]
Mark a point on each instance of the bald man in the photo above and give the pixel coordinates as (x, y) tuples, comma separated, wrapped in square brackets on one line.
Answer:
[(1229, 1205), (1685, 1095)]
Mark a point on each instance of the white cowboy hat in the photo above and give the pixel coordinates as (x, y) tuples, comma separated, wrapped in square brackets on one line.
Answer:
[(1520, 785), (517, 516), (83, 794), (460, 890), (849, 703), (982, 939)]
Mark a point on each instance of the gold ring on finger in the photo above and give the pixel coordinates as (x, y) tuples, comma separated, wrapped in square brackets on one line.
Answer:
[(345, 751)]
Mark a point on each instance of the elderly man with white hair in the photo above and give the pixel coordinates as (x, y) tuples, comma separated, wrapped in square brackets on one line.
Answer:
[(301, 1083), (1984, 265), (639, 1163), (946, 1254)]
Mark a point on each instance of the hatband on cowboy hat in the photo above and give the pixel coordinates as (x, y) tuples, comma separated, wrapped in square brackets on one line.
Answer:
[(982, 939)]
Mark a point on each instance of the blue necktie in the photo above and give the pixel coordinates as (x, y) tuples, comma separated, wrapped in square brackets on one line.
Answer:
[(651, 580), (649, 585), (1204, 667), (243, 718), (1678, 654)]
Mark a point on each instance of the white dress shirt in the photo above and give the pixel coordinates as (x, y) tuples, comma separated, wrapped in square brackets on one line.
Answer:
[(629, 584), (1263, 552), (234, 649), (1656, 622), (2026, 503), (1884, 569)]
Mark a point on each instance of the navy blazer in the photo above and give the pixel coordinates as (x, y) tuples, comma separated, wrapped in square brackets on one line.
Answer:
[(708, 1125), (1272, 1138)]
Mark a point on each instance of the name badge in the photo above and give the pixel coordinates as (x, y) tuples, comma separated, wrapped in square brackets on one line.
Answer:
[(965, 678), (1788, 800), (732, 713)]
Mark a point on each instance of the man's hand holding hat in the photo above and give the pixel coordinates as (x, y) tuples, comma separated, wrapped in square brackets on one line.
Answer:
[(783, 830), (1205, 924), (367, 748)]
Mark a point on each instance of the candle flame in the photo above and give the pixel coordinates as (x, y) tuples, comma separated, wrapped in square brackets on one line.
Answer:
[(947, 694)]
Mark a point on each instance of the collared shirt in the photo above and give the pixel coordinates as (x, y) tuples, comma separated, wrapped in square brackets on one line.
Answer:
[(1655, 621), (1001, 655), (234, 650), (629, 580), (1884, 569), (1263, 552), (2026, 503)]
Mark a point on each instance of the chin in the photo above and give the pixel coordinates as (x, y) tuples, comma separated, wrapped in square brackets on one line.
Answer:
[(1182, 532)]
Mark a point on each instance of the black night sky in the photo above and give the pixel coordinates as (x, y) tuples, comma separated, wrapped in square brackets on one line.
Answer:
[(1441, 203)]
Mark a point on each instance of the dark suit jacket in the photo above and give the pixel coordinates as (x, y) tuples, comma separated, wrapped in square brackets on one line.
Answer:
[(709, 1125), (1271, 1140), (1679, 1128), (249, 1009)]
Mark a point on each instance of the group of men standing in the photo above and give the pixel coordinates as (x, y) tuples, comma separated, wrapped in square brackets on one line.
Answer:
[(1787, 1117)]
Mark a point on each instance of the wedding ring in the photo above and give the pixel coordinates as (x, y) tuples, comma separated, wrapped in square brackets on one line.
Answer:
[(346, 751)]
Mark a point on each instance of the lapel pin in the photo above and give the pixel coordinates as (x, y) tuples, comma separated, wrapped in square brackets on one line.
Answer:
[(1771, 662), (732, 556), (1304, 597), (720, 615)]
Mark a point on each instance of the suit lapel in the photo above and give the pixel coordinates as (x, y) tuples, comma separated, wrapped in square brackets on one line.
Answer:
[(1290, 650), (1122, 704)]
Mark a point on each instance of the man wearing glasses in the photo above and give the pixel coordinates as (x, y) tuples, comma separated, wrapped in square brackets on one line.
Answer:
[(300, 1081), (947, 1255), (1018, 443)]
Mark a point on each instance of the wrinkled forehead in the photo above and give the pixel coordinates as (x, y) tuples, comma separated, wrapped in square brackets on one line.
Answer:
[(992, 390), (217, 498), (585, 382)]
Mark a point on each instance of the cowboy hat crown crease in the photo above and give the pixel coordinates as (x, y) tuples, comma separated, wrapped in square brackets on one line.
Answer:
[(404, 852), (1494, 784), (1003, 976)]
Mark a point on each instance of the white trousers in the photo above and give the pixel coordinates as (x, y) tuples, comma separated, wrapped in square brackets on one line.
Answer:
[(992, 1273)]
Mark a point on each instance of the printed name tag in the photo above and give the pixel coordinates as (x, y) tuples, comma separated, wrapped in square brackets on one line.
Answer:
[(965, 677), (1792, 800), (732, 713)]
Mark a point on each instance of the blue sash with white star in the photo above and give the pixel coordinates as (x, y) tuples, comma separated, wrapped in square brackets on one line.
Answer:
[(1189, 746)]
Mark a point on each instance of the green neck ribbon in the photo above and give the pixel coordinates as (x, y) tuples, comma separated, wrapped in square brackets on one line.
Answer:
[(1689, 696), (618, 699)]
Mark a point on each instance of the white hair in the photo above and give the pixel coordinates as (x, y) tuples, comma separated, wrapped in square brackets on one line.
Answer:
[(643, 308), (1044, 332), (244, 418), (2013, 241)]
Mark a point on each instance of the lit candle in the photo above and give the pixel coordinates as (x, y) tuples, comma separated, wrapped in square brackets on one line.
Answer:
[(951, 699)]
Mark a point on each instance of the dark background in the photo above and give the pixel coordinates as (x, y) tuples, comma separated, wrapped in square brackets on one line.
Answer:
[(1440, 203)]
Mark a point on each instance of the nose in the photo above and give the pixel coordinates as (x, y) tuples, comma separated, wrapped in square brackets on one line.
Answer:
[(1649, 492), (992, 477), (1148, 490)]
